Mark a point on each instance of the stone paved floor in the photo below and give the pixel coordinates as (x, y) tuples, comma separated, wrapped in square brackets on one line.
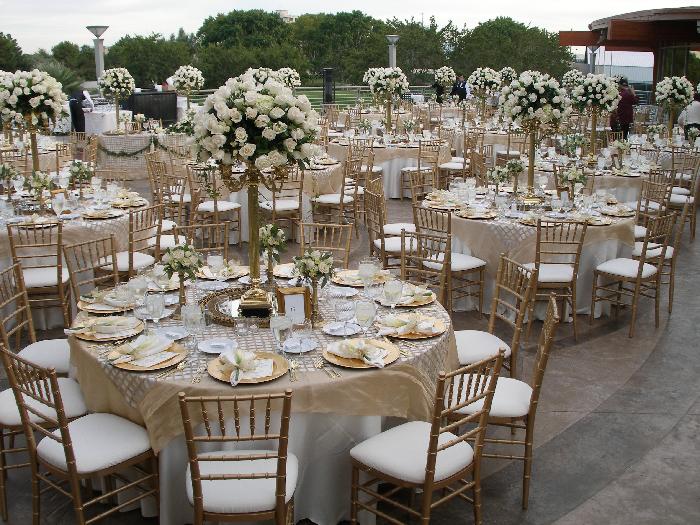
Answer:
[(617, 428)]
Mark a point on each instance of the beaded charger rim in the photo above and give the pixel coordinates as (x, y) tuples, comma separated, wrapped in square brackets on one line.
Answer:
[(212, 300), (279, 368)]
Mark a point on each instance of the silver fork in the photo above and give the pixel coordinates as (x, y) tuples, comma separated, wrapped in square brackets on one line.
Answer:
[(198, 374), (293, 365), (320, 365)]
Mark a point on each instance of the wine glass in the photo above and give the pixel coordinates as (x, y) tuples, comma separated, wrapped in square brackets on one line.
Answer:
[(18, 183), (542, 180), (95, 183), (367, 270), (301, 331), (556, 204), (155, 306), (193, 321), (58, 204), (280, 326), (215, 264), (365, 312), (138, 286), (392, 292), (344, 311)]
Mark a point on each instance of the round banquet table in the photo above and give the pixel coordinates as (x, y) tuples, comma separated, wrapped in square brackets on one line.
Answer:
[(488, 239), (329, 416), (104, 118), (375, 115), (391, 159)]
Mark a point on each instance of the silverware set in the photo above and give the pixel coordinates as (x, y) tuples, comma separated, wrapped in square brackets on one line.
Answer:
[(179, 368), (293, 367), (320, 364), (198, 374)]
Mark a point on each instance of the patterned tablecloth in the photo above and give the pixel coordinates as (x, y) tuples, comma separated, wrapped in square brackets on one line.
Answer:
[(128, 151)]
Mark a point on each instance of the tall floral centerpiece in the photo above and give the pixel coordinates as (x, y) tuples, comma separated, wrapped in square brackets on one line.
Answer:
[(571, 79), (386, 83), (264, 126), (116, 83), (595, 94), (29, 98), (674, 93), (188, 79), (272, 242), (184, 261), (445, 76), (533, 100), (484, 82), (515, 167), (80, 174), (39, 183), (289, 77), (507, 75), (317, 268)]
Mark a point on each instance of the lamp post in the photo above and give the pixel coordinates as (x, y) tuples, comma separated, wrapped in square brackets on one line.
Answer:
[(392, 49), (99, 48)]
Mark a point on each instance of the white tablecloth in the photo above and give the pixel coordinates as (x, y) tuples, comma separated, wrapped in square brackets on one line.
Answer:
[(104, 119)]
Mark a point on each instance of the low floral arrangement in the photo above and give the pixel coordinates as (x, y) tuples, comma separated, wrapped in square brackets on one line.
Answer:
[(315, 265), (571, 79), (386, 81), (140, 118), (622, 146), (533, 99), (484, 82), (595, 93), (573, 141), (187, 79), (272, 240), (289, 77), (409, 125), (507, 75), (182, 260), (445, 76), (7, 173), (30, 96), (572, 177), (693, 134), (185, 126), (116, 83), (656, 129), (674, 91), (39, 182), (498, 175), (514, 167), (80, 171), (364, 125)]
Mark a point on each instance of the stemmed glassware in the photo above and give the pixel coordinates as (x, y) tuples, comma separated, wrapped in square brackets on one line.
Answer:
[(344, 312), (365, 312), (367, 270), (392, 292), (193, 321), (281, 327), (215, 264), (58, 204), (155, 307)]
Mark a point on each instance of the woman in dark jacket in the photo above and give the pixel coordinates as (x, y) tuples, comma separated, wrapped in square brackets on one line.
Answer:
[(625, 108)]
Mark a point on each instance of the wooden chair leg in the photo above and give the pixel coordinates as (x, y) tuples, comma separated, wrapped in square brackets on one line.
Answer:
[(155, 466), (3, 477), (354, 494), (657, 301), (477, 502), (36, 500), (635, 301), (671, 286), (593, 298), (527, 466)]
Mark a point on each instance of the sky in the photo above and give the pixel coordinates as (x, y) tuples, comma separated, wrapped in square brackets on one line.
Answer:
[(43, 23)]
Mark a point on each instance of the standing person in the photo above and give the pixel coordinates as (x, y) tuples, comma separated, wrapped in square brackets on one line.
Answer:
[(439, 92), (459, 88), (690, 116), (79, 103), (625, 108)]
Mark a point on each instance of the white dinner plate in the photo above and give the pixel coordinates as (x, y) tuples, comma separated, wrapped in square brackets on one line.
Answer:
[(211, 286), (338, 328), (217, 346), (297, 346), (343, 291), (246, 279), (173, 332)]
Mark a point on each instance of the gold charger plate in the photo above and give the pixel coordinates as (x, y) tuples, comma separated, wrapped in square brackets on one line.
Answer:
[(345, 362), (114, 337), (439, 324), (477, 216), (600, 221), (338, 278), (414, 304), (179, 349), (618, 213), (110, 214), (279, 368), (86, 307), (240, 272), (130, 204), (441, 206)]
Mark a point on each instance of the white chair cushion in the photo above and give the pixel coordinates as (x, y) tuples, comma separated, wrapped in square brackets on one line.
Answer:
[(73, 404), (511, 153), (141, 260), (222, 206), (395, 228), (680, 191), (553, 273), (408, 169), (653, 250), (184, 198), (452, 166), (166, 241), (281, 205), (474, 346), (460, 262), (392, 244), (402, 452), (167, 225), (99, 441), (680, 200), (639, 231), (651, 205), (332, 198), (237, 496), (49, 353), (458, 159), (626, 268), (375, 169), (511, 399), (360, 190), (40, 277), (684, 176)]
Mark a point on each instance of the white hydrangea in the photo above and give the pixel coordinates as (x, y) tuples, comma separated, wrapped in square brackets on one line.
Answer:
[(595, 92), (484, 82), (445, 76), (674, 91), (533, 98), (116, 82), (386, 81), (30, 96), (188, 78)]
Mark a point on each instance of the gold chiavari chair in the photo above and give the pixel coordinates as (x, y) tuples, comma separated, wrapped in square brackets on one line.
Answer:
[(331, 112), (515, 403), (92, 265), (78, 142), (419, 253), (114, 176), (90, 151), (239, 485), (478, 169), (207, 238), (284, 204), (612, 136), (212, 206), (686, 191), (38, 250), (631, 278), (155, 168), (653, 200), (461, 282), (63, 154), (83, 447), (515, 287), (384, 239), (177, 195), (441, 458), (459, 166), (557, 258), (427, 159), (334, 238), (422, 183), (352, 118), (342, 206), (144, 234)]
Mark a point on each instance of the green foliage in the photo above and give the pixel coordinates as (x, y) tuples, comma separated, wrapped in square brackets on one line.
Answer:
[(148, 58), (254, 28), (80, 59), (66, 76), (420, 47), (11, 56)]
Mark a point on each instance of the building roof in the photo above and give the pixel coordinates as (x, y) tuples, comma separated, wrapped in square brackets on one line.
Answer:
[(650, 15)]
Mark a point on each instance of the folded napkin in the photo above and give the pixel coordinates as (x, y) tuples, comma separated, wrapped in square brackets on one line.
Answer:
[(142, 346), (103, 327), (245, 365), (362, 349), (404, 324), (414, 294), (98, 213), (352, 277)]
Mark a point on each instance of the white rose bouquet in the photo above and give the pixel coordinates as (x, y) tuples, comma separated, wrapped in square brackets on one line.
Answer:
[(272, 240), (386, 82), (445, 76), (38, 183), (507, 75), (315, 265), (289, 77), (514, 167), (409, 125), (595, 93), (261, 74), (140, 118), (656, 129), (498, 175), (263, 125), (622, 146), (693, 134), (116, 83), (80, 171), (187, 79), (182, 260), (674, 91), (185, 126), (574, 178), (484, 82), (571, 79), (30, 96), (364, 125), (533, 99), (7, 173)]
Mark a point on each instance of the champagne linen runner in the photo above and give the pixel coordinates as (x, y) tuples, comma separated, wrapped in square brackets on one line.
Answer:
[(404, 389)]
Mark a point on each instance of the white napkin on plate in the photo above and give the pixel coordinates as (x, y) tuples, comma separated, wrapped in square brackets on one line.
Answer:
[(403, 324), (245, 365), (359, 349), (142, 346), (412, 294)]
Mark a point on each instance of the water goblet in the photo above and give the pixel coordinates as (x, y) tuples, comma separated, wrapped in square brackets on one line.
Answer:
[(215, 264), (193, 321), (58, 204), (155, 306), (556, 204), (280, 326), (344, 312), (392, 292), (365, 312)]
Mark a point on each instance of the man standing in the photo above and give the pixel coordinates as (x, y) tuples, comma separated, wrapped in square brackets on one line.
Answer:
[(79, 103), (459, 88), (625, 108)]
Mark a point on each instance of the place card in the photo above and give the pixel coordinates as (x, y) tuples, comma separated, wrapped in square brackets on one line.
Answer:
[(152, 360)]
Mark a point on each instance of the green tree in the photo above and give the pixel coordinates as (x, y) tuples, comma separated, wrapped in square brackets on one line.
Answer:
[(66, 76), (253, 28), (148, 58), (420, 47), (79, 59), (504, 42), (11, 56)]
